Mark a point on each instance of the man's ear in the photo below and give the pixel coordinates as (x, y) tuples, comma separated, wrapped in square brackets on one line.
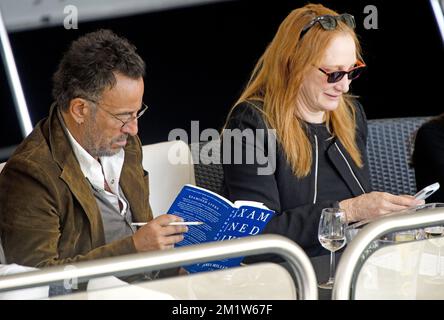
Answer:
[(78, 109)]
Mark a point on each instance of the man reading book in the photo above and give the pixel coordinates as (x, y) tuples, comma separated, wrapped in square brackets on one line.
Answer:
[(73, 187)]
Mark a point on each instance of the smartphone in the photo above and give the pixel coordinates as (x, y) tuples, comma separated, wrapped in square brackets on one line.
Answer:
[(427, 191)]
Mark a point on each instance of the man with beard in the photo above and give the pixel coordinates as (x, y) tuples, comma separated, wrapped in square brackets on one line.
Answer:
[(75, 185)]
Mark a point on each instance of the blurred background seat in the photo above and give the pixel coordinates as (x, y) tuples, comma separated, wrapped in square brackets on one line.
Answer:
[(209, 175), (389, 148), (170, 167)]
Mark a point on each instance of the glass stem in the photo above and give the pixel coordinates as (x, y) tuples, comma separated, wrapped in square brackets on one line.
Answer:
[(332, 266)]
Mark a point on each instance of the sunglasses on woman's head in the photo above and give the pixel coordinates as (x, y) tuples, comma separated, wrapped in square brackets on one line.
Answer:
[(329, 22), (352, 74)]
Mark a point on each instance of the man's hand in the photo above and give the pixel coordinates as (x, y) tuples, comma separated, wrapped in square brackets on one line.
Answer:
[(158, 235)]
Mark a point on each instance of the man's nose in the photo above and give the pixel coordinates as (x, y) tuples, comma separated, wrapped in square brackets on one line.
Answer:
[(131, 127)]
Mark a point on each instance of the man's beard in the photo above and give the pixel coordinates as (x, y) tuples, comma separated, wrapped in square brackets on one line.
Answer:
[(96, 151), (103, 151)]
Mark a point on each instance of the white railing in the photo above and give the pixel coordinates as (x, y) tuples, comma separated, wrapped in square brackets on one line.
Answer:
[(438, 11), (300, 265)]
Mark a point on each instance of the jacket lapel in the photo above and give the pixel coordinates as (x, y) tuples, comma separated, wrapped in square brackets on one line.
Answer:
[(81, 190), (73, 176), (347, 168), (132, 185)]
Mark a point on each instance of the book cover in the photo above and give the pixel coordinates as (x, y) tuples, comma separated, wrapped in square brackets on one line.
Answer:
[(222, 220)]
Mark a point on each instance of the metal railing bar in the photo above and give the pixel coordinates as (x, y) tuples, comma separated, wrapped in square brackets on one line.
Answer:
[(300, 265)]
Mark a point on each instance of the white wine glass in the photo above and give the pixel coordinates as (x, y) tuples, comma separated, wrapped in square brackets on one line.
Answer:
[(331, 235)]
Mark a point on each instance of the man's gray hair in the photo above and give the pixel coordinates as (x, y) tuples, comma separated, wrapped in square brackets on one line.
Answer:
[(88, 67)]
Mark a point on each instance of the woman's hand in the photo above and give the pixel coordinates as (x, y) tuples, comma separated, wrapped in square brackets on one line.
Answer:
[(375, 204)]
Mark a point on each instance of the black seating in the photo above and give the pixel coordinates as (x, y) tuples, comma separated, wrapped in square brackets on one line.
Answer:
[(389, 148), (209, 176)]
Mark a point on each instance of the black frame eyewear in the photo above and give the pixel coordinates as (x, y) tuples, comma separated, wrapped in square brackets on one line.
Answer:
[(352, 74), (329, 22), (124, 122)]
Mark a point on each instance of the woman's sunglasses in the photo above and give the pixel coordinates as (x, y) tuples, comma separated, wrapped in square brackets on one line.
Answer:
[(353, 73), (329, 22)]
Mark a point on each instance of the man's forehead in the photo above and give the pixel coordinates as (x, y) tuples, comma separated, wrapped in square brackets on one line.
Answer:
[(123, 98)]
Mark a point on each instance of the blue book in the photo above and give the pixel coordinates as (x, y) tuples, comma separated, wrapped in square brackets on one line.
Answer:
[(222, 220)]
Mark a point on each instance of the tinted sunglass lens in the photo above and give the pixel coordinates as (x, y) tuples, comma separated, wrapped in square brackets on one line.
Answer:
[(328, 22), (355, 73), (348, 19), (335, 76)]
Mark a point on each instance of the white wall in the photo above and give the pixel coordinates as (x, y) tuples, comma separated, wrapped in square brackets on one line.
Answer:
[(28, 14)]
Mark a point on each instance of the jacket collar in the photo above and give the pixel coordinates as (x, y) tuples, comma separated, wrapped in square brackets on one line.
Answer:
[(128, 178)]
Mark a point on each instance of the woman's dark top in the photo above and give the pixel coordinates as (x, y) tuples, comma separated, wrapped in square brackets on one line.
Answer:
[(298, 201), (333, 186)]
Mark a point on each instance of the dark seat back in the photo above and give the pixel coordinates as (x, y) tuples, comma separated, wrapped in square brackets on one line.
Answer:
[(208, 175), (389, 148)]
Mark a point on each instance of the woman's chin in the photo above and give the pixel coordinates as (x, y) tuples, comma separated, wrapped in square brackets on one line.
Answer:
[(330, 105)]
